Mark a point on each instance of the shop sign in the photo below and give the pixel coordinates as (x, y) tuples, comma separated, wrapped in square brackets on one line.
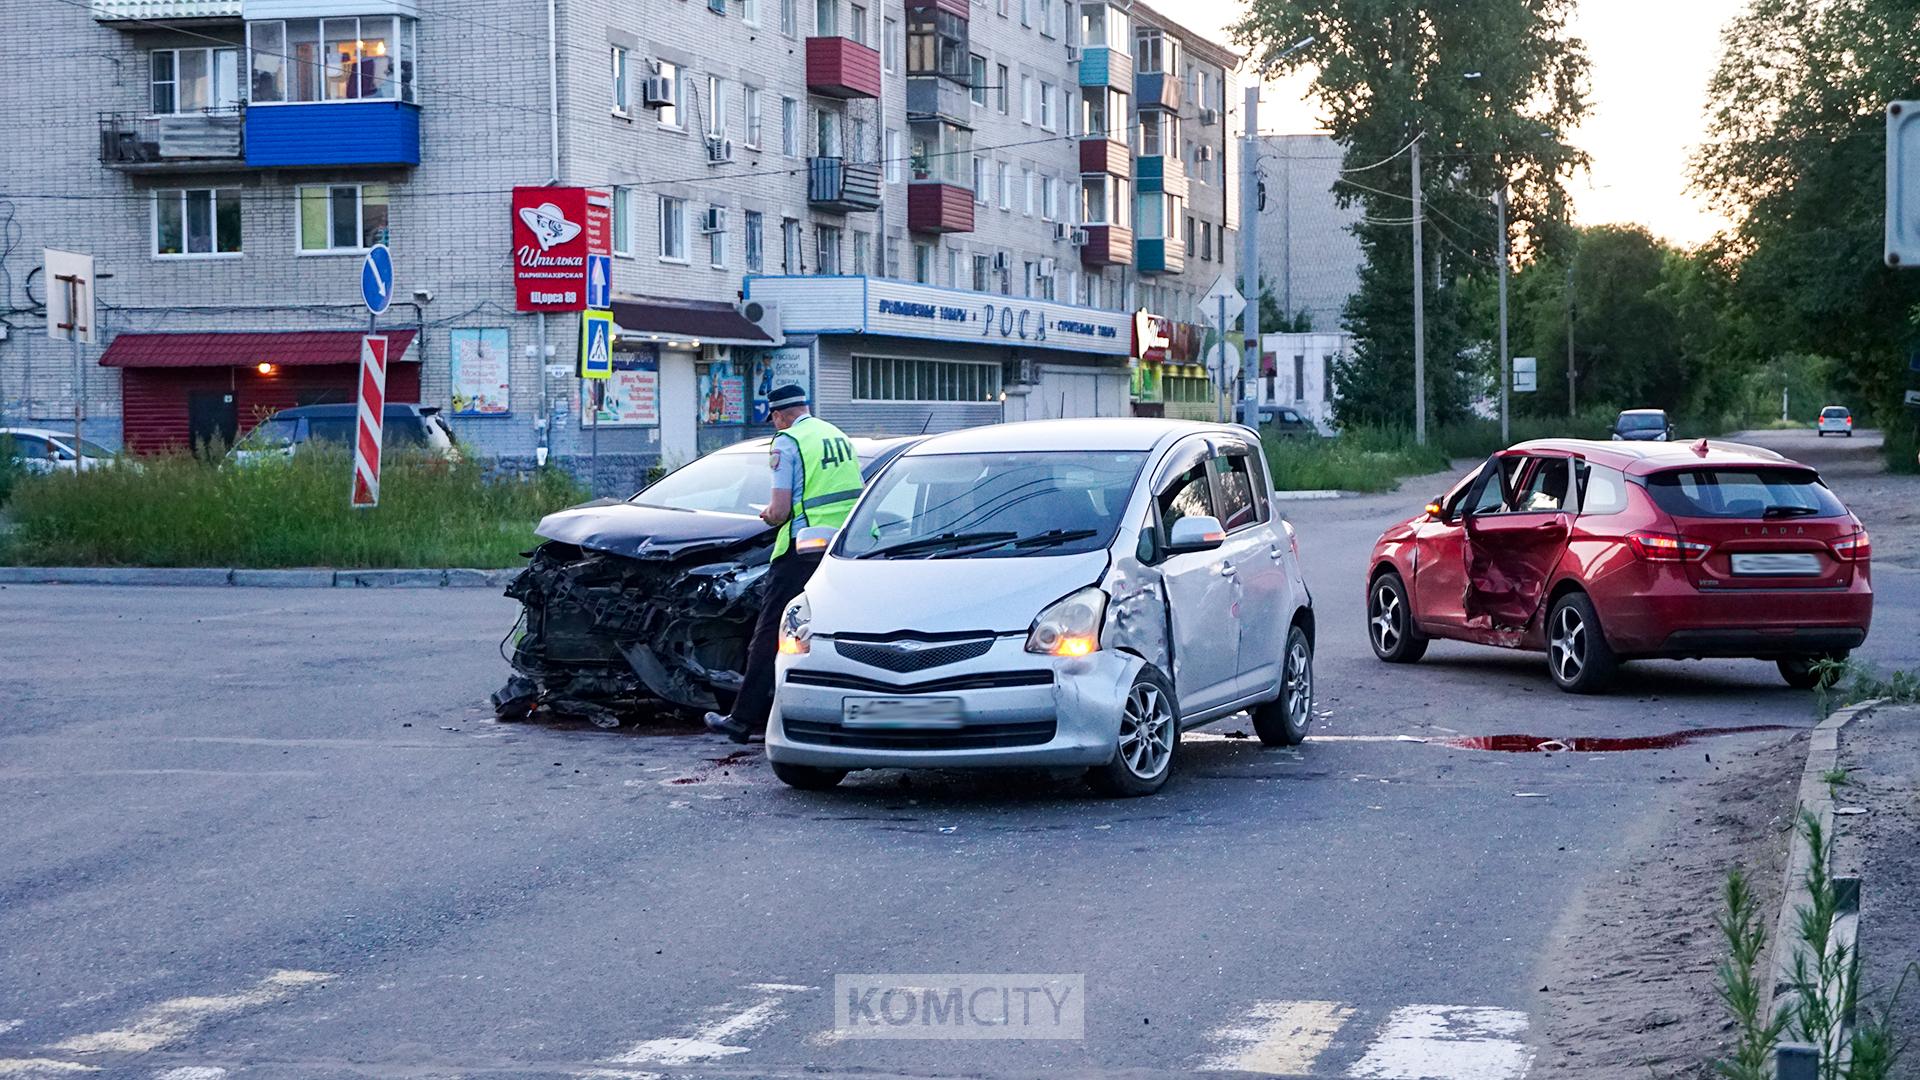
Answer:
[(860, 305), (479, 373), (555, 230), (1151, 340), (723, 394), (789, 366), (631, 394)]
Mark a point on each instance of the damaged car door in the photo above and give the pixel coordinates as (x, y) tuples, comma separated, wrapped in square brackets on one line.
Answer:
[(1512, 547)]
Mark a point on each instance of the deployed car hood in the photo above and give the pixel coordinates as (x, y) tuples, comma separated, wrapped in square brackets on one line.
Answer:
[(647, 532), (939, 596)]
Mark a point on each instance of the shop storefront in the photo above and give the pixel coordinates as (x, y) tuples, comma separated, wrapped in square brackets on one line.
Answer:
[(1169, 376), (689, 375), (893, 357)]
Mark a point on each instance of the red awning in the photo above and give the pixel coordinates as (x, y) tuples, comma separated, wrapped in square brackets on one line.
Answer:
[(293, 348)]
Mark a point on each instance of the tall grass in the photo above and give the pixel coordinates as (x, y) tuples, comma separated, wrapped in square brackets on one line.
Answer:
[(176, 511)]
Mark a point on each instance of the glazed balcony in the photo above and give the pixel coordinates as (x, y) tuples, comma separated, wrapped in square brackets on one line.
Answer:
[(840, 67)]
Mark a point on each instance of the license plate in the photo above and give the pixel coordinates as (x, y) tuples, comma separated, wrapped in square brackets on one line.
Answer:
[(915, 712), (1793, 564)]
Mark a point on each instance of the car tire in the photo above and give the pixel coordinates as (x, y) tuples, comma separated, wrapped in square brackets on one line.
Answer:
[(1390, 627), (807, 777), (1799, 673), (1284, 720), (1148, 736), (1578, 655)]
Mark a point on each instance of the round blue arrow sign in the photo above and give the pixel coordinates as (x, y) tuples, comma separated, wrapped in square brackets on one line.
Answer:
[(376, 279)]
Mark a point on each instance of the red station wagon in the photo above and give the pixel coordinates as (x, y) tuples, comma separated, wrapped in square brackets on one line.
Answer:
[(1598, 552)]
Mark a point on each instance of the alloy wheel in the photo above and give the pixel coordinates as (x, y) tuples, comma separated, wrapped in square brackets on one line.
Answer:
[(1298, 681), (1567, 644), (1146, 732), (1386, 618)]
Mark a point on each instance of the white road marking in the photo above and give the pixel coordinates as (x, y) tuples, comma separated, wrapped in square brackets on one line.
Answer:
[(171, 1021), (42, 1067), (711, 1040), (192, 1072), (1278, 1037), (1448, 1042)]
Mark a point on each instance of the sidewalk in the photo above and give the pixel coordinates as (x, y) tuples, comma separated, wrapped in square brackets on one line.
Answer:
[(1881, 753)]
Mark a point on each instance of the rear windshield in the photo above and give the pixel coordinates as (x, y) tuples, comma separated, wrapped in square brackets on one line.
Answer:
[(1642, 421), (1833, 410), (1743, 493)]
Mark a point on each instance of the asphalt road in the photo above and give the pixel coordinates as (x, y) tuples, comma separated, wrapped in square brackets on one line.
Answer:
[(277, 834)]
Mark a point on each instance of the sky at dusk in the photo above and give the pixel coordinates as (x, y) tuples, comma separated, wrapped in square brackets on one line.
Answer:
[(1651, 60)]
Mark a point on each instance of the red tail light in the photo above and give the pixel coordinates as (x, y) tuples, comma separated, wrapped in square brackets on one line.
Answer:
[(1659, 547), (1855, 548), (1849, 421)]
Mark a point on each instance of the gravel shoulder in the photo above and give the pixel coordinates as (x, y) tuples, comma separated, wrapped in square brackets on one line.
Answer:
[(1881, 753)]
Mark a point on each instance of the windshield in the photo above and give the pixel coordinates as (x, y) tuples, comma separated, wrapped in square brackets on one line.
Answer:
[(993, 505), (1833, 411), (1743, 493), (736, 483), (1642, 421), (91, 448), (271, 433)]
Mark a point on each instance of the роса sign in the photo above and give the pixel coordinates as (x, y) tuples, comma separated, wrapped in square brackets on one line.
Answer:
[(554, 230), (863, 305)]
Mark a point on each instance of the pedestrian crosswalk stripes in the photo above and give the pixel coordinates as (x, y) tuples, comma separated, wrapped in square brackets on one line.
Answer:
[(1278, 1037)]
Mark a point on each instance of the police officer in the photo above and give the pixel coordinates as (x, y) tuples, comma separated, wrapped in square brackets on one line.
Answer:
[(816, 478)]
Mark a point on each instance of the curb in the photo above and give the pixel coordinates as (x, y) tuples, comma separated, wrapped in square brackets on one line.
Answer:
[(298, 578), (1823, 755), (1307, 495)]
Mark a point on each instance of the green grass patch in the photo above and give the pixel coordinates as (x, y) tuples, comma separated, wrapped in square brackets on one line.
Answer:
[(177, 511)]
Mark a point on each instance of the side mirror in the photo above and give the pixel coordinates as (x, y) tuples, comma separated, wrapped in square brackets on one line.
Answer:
[(814, 538), (1195, 534), (1436, 511)]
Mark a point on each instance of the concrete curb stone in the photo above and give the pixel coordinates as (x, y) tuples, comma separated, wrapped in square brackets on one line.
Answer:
[(390, 579), (481, 579), (284, 579), (115, 575), (295, 578)]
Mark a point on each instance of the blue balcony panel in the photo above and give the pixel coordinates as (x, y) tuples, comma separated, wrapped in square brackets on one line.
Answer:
[(333, 133)]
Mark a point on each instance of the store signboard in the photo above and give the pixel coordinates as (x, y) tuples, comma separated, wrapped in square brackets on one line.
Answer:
[(774, 368), (555, 230), (479, 373), (863, 305), (631, 397)]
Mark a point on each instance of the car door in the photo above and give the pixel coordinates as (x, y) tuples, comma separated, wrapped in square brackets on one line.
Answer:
[(1439, 582), (1201, 586), (1511, 553), (1257, 553)]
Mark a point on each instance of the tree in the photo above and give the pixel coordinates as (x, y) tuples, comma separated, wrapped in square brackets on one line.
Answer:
[(1275, 321), (1489, 87), (1628, 349)]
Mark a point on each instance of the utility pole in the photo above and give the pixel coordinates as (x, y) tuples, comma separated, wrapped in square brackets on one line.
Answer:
[(1506, 375), (1250, 260), (1419, 308), (1571, 409)]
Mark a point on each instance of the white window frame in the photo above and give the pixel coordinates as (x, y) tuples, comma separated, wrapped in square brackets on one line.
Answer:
[(900, 373), (790, 18), (889, 44), (214, 102), (896, 165), (1003, 91), (671, 117), (1048, 117), (826, 249), (750, 12), (717, 245), (1026, 98), (977, 92), (661, 223), (1005, 178), (981, 186), (213, 224), (754, 242), (621, 222), (790, 127), (716, 107), (1032, 190), (750, 103), (360, 217), (404, 80), (622, 81)]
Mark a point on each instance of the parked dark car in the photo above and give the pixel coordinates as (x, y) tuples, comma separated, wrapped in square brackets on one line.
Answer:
[(1286, 422), (412, 427), (1643, 425), (648, 603)]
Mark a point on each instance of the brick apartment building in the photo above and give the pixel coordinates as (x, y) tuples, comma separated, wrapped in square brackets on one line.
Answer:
[(937, 213)]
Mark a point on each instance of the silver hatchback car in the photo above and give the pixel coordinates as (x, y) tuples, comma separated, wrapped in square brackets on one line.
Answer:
[(1062, 593)]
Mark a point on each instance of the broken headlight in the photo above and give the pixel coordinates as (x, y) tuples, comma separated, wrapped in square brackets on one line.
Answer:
[(796, 627)]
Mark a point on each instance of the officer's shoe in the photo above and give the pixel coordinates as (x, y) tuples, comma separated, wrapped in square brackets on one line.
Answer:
[(722, 724)]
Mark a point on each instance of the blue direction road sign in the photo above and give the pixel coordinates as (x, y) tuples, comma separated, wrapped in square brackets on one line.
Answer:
[(376, 279), (600, 281)]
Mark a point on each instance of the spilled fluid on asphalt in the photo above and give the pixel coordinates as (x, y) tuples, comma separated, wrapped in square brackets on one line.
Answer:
[(1541, 744), (719, 764)]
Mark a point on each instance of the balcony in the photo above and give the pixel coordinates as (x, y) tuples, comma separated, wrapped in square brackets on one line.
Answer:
[(931, 97), (840, 67), (1160, 257), (1156, 90), (330, 133), (1156, 173), (1109, 156), (939, 208), (161, 144), (142, 14), (1107, 245), (841, 187), (1102, 66)]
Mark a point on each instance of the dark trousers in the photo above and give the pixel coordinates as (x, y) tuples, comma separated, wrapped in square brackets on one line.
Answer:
[(784, 581)]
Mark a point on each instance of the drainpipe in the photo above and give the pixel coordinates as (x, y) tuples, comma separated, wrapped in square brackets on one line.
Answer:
[(544, 452)]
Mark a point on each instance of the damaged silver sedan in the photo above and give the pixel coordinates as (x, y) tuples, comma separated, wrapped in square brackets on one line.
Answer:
[(645, 606)]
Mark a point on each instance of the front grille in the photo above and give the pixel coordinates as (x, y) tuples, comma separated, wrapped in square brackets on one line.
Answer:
[(989, 681), (972, 737), (907, 655)]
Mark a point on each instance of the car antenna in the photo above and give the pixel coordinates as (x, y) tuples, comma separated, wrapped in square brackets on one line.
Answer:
[(928, 424), (1700, 448)]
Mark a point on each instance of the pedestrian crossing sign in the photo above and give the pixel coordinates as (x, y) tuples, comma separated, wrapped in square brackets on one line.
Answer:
[(596, 344)]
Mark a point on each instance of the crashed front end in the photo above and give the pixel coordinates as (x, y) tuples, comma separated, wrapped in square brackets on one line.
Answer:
[(608, 637)]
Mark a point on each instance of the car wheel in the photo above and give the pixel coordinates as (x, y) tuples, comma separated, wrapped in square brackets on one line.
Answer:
[(1577, 652), (1284, 720), (1390, 622), (1800, 673), (1143, 750), (807, 777)]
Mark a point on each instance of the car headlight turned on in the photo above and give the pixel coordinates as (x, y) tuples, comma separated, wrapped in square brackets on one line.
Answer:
[(1070, 626), (796, 627)]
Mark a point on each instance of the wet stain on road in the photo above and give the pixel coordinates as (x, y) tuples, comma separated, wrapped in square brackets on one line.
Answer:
[(1540, 744), (716, 767)]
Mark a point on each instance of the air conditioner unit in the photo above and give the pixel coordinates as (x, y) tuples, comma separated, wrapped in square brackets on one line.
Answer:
[(713, 220), (1001, 260), (719, 150), (1206, 153), (1062, 230), (1079, 238), (657, 93), (1073, 54), (1046, 266), (763, 315), (1209, 117), (1023, 373)]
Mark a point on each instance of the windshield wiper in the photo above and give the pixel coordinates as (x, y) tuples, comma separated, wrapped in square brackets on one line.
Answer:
[(936, 542), (1050, 538), (1789, 511)]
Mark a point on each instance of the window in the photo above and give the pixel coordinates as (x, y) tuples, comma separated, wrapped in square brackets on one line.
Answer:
[(941, 152), (982, 272), (857, 151), (1299, 378), (953, 267), (1190, 236), (1032, 189), (890, 44), (716, 107), (1029, 277), (1159, 133), (718, 7), (1026, 12), (923, 263), (1159, 217), (717, 241), (342, 217), (673, 229), (621, 90), (751, 104), (193, 80), (1006, 185), (1002, 88), (623, 221), (196, 222), (789, 18), (756, 258), (1003, 8), (1742, 492), (980, 194), (977, 79), (1094, 281), (894, 156), (1239, 505), (790, 260), (1105, 200), (1602, 490), (750, 12), (1049, 198), (1046, 106), (1103, 112), (1187, 494), (1026, 99), (1206, 240), (1154, 53), (885, 378), (937, 43), (892, 252), (336, 59), (826, 250), (826, 133), (1046, 17), (670, 112), (826, 22), (789, 127), (862, 253), (857, 23)]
